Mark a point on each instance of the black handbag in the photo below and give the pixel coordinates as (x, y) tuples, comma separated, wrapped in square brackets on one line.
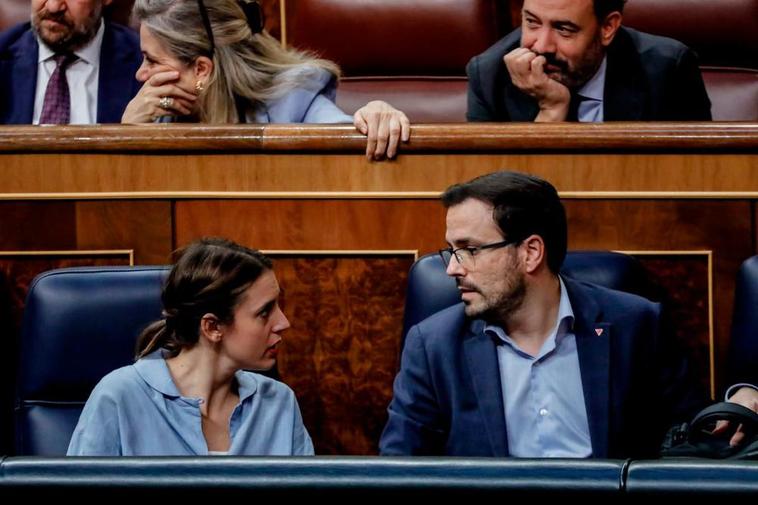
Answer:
[(696, 439)]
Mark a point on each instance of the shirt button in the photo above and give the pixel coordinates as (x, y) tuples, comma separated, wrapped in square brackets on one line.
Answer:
[(543, 412)]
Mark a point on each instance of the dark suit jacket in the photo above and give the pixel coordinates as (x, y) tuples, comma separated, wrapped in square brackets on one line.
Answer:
[(120, 57), (448, 398), (648, 78)]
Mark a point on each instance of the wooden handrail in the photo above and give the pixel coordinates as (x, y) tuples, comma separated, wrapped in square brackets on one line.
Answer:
[(478, 137)]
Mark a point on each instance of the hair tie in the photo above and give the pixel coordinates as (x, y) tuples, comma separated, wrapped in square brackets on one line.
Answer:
[(254, 15)]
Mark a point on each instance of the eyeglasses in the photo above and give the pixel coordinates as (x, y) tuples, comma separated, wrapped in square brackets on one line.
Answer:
[(466, 256), (207, 24)]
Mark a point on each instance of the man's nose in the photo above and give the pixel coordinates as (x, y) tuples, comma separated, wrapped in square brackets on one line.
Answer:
[(545, 41), (55, 5), (454, 267)]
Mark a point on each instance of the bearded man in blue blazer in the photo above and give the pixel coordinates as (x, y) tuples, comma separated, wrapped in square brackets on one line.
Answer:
[(104, 58), (533, 364)]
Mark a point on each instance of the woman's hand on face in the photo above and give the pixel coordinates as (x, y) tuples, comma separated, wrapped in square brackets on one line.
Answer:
[(160, 95), (385, 127)]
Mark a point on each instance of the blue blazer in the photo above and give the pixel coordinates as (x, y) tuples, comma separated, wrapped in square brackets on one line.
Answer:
[(648, 78), (120, 57), (448, 398)]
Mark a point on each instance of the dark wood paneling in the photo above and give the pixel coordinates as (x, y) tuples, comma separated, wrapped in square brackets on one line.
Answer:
[(723, 227), (341, 354), (682, 281), (37, 226), (142, 225), (316, 224)]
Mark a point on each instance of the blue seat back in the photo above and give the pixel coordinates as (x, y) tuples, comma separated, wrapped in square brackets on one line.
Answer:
[(79, 324), (743, 344)]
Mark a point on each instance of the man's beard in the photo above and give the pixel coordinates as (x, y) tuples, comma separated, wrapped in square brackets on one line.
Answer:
[(575, 78), (499, 309), (67, 39)]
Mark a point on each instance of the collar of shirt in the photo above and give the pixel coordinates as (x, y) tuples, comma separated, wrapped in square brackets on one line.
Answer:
[(154, 371), (564, 324), (89, 53), (595, 87)]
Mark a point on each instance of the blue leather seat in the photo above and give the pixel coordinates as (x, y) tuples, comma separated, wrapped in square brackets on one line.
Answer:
[(743, 344), (79, 324), (430, 289)]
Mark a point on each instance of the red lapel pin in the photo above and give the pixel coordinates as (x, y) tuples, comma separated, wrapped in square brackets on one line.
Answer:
[(598, 331)]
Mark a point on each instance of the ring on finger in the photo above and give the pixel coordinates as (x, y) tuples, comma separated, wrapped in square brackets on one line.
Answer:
[(166, 102)]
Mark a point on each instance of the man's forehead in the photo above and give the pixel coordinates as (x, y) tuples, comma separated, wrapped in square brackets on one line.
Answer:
[(469, 220), (559, 9)]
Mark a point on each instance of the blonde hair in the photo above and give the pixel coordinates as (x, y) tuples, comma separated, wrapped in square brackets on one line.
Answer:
[(254, 67)]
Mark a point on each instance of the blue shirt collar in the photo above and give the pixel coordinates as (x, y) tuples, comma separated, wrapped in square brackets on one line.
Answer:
[(564, 323), (154, 371), (595, 87)]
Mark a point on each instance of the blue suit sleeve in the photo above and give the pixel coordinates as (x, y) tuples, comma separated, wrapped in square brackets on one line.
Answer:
[(413, 427)]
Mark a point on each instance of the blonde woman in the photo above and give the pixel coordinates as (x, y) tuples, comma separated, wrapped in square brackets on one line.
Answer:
[(210, 61)]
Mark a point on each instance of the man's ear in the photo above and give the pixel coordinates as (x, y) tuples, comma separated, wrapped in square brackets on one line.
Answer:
[(210, 328), (203, 67), (609, 27), (534, 248)]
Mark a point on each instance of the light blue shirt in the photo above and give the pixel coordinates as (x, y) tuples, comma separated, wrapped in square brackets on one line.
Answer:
[(591, 107), (138, 411), (543, 397)]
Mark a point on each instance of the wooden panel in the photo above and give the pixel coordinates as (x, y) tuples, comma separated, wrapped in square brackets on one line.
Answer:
[(143, 226), (341, 354), (260, 161), (722, 227), (339, 175), (316, 224), (37, 225), (683, 281)]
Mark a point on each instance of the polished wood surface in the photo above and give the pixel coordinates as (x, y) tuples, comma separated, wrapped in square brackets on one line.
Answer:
[(619, 160), (502, 137)]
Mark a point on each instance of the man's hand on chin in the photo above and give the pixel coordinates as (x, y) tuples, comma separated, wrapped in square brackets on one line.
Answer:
[(527, 70)]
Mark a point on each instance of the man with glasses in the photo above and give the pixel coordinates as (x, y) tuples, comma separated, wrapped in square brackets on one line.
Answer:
[(67, 66), (532, 364)]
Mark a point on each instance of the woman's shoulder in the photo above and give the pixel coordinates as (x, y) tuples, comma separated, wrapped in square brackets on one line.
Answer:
[(264, 386), (309, 99), (118, 383)]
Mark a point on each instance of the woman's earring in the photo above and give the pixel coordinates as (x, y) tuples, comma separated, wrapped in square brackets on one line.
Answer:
[(199, 87)]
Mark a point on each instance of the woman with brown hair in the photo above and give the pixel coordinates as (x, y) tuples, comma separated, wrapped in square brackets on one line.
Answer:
[(190, 392)]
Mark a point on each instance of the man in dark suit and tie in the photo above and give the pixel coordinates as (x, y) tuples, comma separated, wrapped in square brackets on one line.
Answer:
[(67, 66), (572, 60), (533, 364)]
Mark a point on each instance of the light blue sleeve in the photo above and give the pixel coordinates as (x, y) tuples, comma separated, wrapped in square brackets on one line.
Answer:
[(302, 445), (97, 432), (324, 110), (311, 102)]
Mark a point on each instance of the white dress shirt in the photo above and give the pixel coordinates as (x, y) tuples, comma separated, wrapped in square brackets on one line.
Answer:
[(82, 76)]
